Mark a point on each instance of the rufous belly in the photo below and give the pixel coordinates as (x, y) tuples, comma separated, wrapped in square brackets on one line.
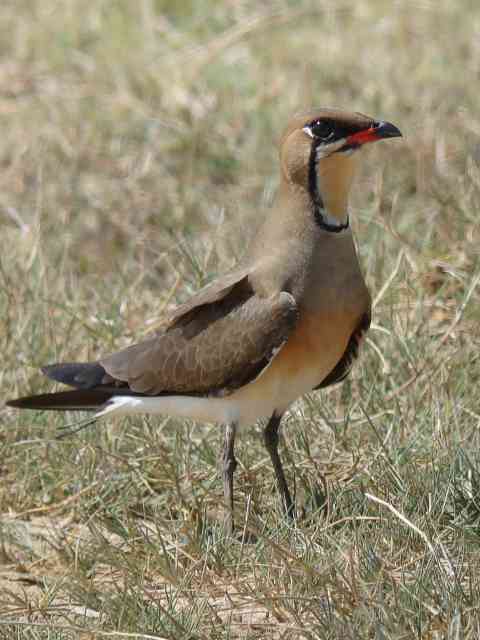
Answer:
[(312, 351)]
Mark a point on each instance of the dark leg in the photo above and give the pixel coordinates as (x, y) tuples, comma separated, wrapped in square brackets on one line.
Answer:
[(229, 465), (270, 436)]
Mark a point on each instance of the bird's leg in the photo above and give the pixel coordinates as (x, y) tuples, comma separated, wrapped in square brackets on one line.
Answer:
[(229, 466), (270, 436)]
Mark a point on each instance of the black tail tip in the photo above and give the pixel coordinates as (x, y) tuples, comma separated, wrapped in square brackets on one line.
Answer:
[(17, 403), (74, 400)]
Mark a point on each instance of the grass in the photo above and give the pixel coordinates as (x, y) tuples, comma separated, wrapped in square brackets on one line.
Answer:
[(137, 151)]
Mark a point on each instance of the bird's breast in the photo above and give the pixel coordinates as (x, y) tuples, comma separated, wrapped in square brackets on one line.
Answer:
[(310, 354), (314, 348), (332, 298)]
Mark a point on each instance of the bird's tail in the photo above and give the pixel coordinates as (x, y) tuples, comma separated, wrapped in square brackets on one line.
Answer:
[(76, 400), (92, 389)]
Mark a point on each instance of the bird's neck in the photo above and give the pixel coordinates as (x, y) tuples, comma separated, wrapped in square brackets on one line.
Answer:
[(329, 188), (321, 202)]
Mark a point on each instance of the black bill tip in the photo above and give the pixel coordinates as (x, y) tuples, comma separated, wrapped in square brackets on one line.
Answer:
[(387, 130)]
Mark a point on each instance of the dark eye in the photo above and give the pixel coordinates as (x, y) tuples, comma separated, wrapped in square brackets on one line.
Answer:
[(322, 129)]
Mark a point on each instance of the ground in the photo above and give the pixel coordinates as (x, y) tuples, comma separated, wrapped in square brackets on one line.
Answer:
[(138, 151)]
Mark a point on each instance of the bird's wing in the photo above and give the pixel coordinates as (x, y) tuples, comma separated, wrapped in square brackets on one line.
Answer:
[(209, 294), (344, 365), (214, 344)]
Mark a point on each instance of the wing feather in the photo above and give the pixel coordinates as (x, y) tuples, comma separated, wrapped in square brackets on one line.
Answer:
[(215, 344), (211, 293)]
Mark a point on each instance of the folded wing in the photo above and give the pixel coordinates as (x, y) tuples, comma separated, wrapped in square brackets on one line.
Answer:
[(219, 341)]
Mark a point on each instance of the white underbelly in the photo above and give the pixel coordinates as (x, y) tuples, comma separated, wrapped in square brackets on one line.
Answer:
[(270, 392)]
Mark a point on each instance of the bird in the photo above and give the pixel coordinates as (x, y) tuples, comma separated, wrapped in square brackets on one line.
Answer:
[(288, 320)]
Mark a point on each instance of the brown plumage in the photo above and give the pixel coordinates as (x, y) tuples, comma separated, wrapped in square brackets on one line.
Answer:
[(214, 348), (288, 320)]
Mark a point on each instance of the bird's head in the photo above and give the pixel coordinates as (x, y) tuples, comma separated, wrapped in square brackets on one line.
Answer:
[(318, 153)]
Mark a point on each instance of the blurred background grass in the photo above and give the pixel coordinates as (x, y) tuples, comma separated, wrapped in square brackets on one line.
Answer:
[(138, 151)]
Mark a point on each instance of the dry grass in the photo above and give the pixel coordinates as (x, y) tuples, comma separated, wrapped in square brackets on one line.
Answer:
[(136, 154)]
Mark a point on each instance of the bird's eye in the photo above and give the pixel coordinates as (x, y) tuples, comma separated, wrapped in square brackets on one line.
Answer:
[(322, 129)]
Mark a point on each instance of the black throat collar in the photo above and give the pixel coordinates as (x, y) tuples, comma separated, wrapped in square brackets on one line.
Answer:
[(318, 207), (328, 226)]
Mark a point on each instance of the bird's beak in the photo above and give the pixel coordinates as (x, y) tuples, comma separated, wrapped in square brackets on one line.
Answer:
[(378, 131)]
